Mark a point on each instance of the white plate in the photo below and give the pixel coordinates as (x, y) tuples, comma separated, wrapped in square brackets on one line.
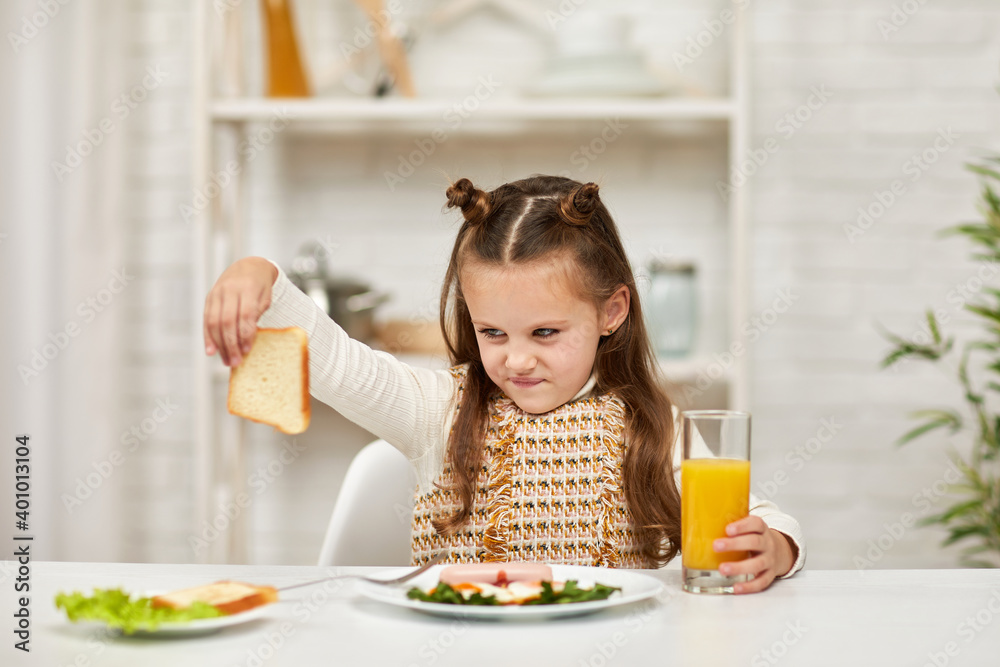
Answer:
[(202, 626), (635, 587)]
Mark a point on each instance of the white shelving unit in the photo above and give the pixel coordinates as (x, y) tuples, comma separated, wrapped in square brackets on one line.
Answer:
[(395, 110), (218, 237)]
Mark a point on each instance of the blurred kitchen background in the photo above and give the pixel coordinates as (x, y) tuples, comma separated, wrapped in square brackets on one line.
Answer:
[(779, 181)]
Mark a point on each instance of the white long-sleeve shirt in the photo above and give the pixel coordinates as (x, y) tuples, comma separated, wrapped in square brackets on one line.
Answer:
[(410, 407)]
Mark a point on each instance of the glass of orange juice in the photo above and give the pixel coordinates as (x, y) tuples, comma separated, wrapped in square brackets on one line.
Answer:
[(715, 491)]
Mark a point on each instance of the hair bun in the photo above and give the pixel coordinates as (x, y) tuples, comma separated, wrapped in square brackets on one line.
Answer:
[(475, 203), (578, 205)]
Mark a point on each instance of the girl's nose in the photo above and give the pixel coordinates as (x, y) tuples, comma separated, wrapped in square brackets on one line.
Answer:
[(520, 360)]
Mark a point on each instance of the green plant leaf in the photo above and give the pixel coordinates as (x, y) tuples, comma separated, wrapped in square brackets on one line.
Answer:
[(964, 532), (903, 348), (907, 349), (990, 197), (973, 513), (983, 312), (932, 324), (978, 549), (979, 234), (961, 509), (935, 419), (984, 171)]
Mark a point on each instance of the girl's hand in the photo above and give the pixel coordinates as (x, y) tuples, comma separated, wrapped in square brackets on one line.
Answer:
[(771, 553), (234, 304)]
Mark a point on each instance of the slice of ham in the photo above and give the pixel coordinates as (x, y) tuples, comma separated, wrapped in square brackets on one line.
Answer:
[(495, 573)]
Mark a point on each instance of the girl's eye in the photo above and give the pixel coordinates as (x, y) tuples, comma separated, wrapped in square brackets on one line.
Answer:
[(545, 333), (490, 334)]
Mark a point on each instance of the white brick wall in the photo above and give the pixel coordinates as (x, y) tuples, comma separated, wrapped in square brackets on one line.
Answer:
[(890, 96), (820, 360)]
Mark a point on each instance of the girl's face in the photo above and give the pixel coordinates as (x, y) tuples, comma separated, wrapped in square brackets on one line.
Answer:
[(537, 337)]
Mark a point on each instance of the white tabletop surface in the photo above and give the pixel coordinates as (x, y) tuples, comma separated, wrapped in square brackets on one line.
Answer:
[(888, 617)]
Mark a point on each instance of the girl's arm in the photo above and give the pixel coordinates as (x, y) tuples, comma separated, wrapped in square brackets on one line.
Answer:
[(406, 406)]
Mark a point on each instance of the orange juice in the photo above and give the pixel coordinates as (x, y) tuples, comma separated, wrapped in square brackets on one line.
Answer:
[(714, 493)]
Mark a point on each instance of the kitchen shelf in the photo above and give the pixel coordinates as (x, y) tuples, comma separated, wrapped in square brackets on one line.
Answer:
[(389, 110)]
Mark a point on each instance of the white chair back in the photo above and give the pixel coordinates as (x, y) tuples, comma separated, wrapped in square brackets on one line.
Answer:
[(371, 519)]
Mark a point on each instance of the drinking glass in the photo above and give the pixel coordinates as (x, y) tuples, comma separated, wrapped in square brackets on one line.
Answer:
[(715, 491)]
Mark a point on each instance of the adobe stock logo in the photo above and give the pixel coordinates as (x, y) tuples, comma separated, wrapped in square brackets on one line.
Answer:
[(587, 153), (800, 456), (121, 108), (923, 501), (713, 29), (31, 25), (230, 510), (88, 310), (779, 648), (451, 119), (248, 149), (915, 167), (751, 331), (103, 470), (787, 125), (900, 16)]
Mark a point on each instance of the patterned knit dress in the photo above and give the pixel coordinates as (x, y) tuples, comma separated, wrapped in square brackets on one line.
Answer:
[(549, 490)]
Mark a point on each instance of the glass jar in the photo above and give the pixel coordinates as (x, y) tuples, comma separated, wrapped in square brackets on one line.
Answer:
[(671, 308)]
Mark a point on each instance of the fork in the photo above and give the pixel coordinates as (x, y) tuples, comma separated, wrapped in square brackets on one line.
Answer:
[(387, 582)]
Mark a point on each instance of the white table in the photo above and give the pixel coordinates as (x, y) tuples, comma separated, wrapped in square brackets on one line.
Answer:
[(885, 618)]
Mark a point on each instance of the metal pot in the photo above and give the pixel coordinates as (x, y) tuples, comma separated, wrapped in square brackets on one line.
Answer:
[(349, 302)]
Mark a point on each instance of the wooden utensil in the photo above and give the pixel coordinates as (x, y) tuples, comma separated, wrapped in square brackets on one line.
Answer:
[(390, 47), (286, 77)]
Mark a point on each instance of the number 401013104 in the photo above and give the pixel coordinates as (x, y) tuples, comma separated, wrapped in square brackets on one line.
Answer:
[(22, 481)]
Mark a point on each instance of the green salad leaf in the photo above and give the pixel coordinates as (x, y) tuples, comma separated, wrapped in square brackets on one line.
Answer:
[(571, 592), (445, 594), (117, 609)]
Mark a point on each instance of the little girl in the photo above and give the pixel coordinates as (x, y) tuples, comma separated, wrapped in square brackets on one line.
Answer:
[(550, 438)]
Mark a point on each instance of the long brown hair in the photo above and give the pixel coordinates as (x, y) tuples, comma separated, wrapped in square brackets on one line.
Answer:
[(527, 221)]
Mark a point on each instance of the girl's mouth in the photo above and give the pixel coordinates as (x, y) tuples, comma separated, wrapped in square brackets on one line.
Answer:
[(524, 383)]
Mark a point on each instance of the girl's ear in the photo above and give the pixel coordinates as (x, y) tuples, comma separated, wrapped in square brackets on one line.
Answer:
[(616, 309)]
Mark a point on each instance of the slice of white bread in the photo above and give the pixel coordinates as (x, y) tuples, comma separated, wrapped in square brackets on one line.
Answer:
[(229, 597), (271, 385)]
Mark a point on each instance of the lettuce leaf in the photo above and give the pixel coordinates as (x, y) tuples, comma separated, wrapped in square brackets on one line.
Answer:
[(572, 593), (445, 594), (117, 609)]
